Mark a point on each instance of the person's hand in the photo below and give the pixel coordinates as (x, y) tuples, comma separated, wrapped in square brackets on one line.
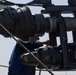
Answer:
[(47, 42)]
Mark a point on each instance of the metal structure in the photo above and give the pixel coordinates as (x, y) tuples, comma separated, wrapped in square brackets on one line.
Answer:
[(21, 23)]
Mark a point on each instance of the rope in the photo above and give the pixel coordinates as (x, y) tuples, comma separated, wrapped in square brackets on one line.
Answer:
[(4, 66), (8, 67), (26, 49), (40, 72)]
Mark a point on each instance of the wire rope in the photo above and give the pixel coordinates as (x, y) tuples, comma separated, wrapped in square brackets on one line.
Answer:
[(26, 49)]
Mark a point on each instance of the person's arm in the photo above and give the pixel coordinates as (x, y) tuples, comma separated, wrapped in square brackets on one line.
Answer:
[(39, 44), (47, 42), (36, 45)]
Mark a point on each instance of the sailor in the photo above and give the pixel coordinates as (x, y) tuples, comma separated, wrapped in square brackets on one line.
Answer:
[(15, 65)]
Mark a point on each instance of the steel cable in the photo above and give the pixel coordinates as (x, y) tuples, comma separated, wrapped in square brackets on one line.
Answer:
[(40, 72), (26, 49), (36, 69), (4, 66)]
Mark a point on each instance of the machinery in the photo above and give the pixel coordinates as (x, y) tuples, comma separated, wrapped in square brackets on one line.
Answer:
[(21, 23)]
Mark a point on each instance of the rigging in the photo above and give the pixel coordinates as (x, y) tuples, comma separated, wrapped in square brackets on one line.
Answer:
[(21, 23)]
